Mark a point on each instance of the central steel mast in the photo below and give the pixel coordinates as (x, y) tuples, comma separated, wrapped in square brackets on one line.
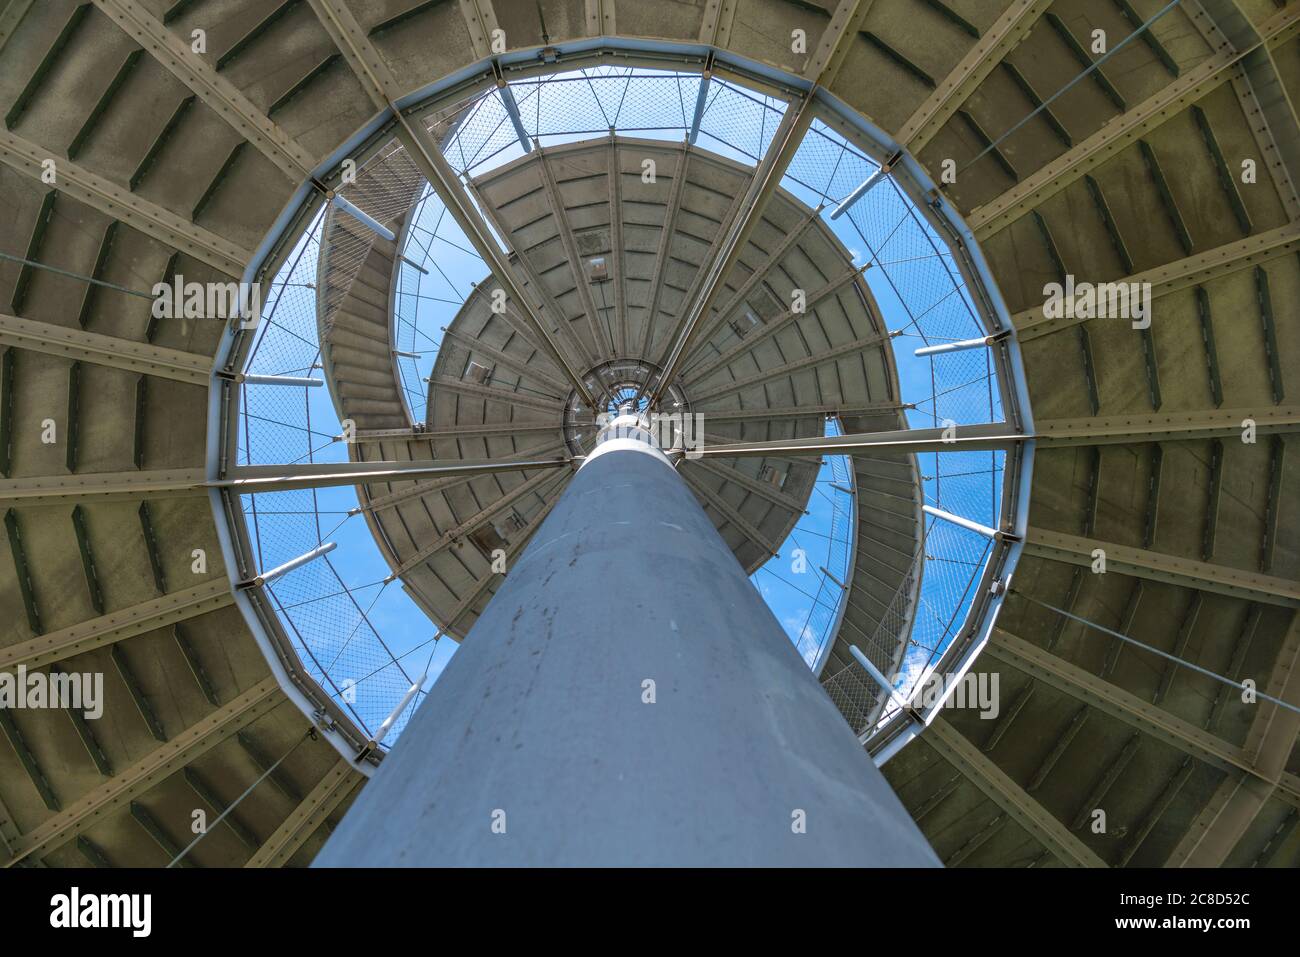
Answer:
[(627, 698)]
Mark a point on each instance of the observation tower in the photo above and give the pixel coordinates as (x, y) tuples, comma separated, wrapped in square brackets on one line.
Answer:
[(553, 432)]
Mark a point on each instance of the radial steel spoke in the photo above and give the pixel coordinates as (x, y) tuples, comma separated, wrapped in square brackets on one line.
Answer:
[(763, 186), (966, 438), (823, 66), (378, 82), (250, 479), (419, 489)]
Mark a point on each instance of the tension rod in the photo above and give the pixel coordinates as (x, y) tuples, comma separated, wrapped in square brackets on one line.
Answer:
[(1069, 86), (1163, 654), (311, 733)]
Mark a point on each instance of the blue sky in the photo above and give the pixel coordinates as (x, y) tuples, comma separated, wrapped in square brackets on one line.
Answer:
[(351, 624)]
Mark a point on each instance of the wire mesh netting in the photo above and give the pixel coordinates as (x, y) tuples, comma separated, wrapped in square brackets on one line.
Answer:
[(354, 633), (323, 606), (822, 542), (919, 288)]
